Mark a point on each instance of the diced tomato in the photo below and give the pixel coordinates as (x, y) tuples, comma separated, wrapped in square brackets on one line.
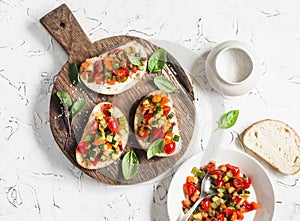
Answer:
[(233, 216), (157, 133), (220, 183), (166, 110), (249, 206), (240, 215), (113, 125), (121, 72), (97, 67), (189, 188), (156, 98), (170, 147), (107, 105), (247, 182), (210, 166), (215, 172), (237, 200), (190, 179), (205, 204), (223, 168), (235, 170), (148, 116), (219, 216), (94, 128), (238, 182), (228, 212), (82, 147), (134, 69), (99, 78), (95, 161)]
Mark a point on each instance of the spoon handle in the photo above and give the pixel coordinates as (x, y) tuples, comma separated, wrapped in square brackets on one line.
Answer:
[(191, 210)]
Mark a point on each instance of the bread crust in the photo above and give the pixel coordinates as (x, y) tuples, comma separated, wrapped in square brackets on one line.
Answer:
[(124, 137), (138, 117), (251, 127)]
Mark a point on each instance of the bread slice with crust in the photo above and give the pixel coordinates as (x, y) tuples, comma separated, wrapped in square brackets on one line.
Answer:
[(275, 142)]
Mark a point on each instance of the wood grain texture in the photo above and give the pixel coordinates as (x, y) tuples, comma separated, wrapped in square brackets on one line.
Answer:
[(63, 26)]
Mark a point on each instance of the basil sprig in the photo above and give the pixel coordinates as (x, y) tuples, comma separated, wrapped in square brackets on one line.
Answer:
[(74, 74), (157, 61), (66, 101), (156, 147), (76, 107), (135, 60), (164, 84), (130, 164), (228, 120)]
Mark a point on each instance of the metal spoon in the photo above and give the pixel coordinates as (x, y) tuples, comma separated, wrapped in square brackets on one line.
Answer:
[(206, 191)]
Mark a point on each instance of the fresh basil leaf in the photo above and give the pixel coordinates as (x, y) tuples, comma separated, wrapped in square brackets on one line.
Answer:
[(156, 147), (65, 98), (228, 120), (157, 61), (74, 74), (164, 84), (130, 164), (135, 60), (76, 108)]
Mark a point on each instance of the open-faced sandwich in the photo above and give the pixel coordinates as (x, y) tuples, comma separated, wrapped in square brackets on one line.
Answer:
[(104, 138), (115, 71), (156, 119)]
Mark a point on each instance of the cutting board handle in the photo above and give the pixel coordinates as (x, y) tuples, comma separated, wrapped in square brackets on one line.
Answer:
[(63, 26)]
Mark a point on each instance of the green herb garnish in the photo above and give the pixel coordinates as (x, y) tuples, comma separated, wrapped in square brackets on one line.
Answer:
[(157, 61), (74, 74), (130, 164), (228, 120), (76, 107), (164, 84), (66, 101), (156, 147), (135, 60)]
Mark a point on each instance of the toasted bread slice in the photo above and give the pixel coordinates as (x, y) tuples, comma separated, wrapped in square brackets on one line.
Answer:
[(275, 142), (99, 73), (145, 142), (107, 155)]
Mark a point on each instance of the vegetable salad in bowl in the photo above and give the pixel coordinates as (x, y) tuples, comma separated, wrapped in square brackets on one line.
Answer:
[(231, 201)]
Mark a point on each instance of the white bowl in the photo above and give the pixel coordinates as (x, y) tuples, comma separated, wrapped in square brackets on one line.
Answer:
[(261, 191), (233, 68)]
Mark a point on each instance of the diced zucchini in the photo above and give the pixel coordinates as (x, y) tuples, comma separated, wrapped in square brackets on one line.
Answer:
[(101, 146), (214, 176), (171, 115), (87, 138), (225, 178), (229, 174), (110, 111), (140, 67), (220, 194), (230, 189), (176, 138), (108, 75), (221, 189), (215, 198), (122, 121), (170, 129), (117, 138), (103, 123), (197, 216), (122, 64), (109, 138), (197, 172), (212, 213), (115, 66), (235, 194), (146, 102), (154, 123)]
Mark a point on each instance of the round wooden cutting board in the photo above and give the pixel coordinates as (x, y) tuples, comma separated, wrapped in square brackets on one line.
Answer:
[(63, 26)]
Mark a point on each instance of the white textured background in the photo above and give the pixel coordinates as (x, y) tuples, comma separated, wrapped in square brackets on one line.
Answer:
[(36, 180)]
